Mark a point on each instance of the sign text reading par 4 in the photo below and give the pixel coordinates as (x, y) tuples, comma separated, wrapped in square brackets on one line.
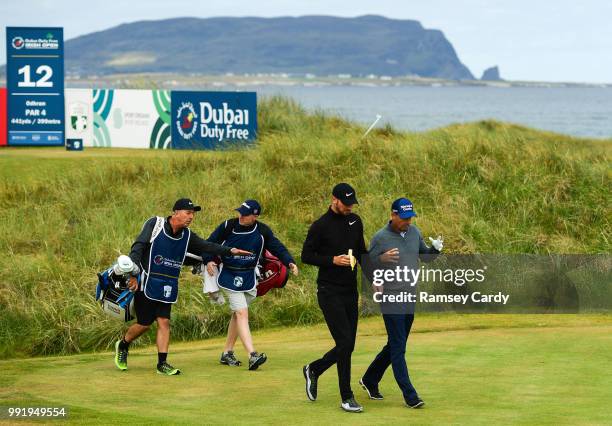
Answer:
[(212, 117)]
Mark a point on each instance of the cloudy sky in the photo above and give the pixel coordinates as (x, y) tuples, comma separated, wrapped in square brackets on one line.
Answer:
[(546, 40)]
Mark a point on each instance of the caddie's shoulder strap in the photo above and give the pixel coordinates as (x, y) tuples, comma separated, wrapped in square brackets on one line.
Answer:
[(265, 230), (229, 227), (159, 226)]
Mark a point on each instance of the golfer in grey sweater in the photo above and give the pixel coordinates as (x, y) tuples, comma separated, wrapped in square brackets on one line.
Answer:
[(398, 244)]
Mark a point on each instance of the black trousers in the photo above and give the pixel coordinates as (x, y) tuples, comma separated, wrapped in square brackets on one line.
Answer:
[(340, 309)]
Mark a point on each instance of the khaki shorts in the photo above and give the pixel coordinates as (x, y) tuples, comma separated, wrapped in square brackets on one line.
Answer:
[(240, 300)]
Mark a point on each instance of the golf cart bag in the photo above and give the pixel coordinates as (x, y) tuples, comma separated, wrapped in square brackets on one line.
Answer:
[(112, 293)]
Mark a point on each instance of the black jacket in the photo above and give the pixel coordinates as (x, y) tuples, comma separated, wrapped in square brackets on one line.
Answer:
[(333, 235)]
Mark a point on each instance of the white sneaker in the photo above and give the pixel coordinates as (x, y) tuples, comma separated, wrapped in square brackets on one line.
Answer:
[(351, 406)]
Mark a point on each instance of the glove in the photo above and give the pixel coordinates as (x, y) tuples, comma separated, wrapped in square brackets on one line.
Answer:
[(438, 243)]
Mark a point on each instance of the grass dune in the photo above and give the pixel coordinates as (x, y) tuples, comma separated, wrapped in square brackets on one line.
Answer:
[(488, 187)]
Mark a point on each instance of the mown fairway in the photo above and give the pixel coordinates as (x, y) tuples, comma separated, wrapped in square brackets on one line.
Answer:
[(546, 369)]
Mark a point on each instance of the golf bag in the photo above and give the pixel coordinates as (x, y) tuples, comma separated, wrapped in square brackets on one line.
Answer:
[(113, 295), (271, 274)]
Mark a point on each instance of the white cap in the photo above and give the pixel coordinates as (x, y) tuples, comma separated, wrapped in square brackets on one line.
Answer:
[(124, 265)]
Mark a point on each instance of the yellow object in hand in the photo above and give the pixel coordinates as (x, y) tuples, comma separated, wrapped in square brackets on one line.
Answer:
[(352, 259)]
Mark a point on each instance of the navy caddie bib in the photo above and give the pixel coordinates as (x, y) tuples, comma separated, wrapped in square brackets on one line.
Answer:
[(165, 262), (237, 273)]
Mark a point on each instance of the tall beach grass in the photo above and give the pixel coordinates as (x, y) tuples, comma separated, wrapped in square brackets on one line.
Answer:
[(488, 187)]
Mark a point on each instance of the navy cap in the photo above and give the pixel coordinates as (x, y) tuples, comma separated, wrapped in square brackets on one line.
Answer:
[(249, 207), (345, 193), (186, 204), (403, 207)]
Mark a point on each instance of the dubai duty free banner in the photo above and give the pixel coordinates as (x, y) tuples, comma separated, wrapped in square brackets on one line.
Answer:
[(210, 120), (131, 118)]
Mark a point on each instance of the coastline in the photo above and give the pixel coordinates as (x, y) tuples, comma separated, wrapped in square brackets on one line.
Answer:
[(173, 80)]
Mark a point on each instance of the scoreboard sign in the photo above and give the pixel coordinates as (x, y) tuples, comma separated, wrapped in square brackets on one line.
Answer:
[(35, 84)]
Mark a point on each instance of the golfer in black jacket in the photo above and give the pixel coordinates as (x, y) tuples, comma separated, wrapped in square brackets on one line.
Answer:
[(327, 246)]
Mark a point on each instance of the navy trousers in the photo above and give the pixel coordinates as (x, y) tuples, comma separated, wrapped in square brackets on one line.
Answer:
[(394, 354)]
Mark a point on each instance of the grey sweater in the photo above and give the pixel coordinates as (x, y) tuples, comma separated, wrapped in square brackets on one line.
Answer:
[(411, 248)]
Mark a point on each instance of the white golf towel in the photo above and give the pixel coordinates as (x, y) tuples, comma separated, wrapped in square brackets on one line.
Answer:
[(210, 282), (210, 287)]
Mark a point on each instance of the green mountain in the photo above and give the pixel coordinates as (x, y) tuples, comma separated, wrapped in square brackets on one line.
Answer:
[(321, 45)]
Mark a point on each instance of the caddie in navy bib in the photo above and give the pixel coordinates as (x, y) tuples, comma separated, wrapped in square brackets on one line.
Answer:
[(237, 273), (165, 261)]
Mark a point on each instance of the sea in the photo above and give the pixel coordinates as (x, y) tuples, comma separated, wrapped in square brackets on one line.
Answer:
[(575, 111)]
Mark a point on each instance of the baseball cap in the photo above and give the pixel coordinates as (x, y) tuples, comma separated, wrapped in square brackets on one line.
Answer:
[(186, 204), (249, 207), (403, 207), (345, 193)]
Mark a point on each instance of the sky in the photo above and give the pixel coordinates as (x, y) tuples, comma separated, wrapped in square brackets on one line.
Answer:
[(534, 40)]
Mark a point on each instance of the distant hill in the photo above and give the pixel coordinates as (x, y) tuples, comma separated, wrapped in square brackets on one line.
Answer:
[(320, 45)]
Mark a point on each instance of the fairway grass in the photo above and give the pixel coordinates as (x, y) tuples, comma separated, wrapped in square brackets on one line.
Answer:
[(469, 369)]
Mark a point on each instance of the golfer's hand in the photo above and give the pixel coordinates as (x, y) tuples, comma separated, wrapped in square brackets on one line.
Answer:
[(236, 251), (342, 260), (438, 243), (211, 268), (293, 268), (133, 284), (390, 256)]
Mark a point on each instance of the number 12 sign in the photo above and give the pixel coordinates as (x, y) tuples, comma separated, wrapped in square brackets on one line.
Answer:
[(35, 83)]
